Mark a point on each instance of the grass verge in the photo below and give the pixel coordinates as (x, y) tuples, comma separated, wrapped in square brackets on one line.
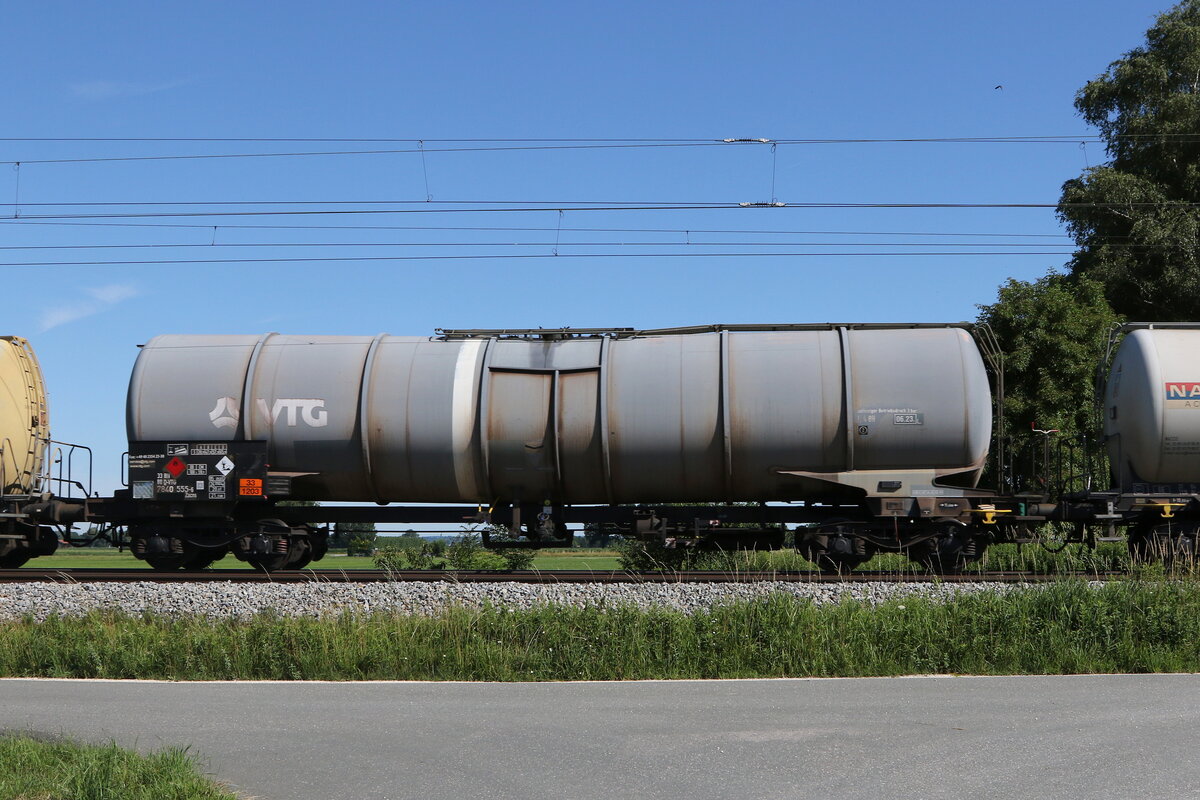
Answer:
[(32, 769), (106, 558), (1061, 628)]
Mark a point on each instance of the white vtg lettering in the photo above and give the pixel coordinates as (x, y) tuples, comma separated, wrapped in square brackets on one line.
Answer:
[(310, 411)]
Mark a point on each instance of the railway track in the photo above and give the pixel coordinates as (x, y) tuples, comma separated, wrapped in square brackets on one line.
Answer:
[(91, 575)]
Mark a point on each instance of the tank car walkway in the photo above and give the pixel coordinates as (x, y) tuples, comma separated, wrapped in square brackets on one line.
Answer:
[(1026, 737)]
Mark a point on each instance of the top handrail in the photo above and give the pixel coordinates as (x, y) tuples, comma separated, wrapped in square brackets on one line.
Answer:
[(629, 333)]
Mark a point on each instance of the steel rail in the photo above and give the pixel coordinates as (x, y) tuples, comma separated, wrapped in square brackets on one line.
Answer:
[(92, 575)]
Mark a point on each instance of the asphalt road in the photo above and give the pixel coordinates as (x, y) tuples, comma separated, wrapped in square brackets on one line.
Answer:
[(1026, 737)]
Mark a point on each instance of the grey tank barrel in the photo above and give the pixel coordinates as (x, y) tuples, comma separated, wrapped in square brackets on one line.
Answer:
[(1152, 408), (711, 414)]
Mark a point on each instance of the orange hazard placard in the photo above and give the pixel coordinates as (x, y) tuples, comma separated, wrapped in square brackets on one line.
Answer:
[(250, 486)]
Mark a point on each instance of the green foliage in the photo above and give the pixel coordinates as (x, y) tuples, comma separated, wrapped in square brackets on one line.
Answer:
[(1136, 233), (421, 554), (1060, 628), (1052, 331), (468, 553), (517, 558), (637, 555), (360, 546), (32, 768), (464, 550), (594, 535), (357, 537)]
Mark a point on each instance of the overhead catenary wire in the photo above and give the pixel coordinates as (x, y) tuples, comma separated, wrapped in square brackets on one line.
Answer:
[(376, 152), (1070, 137), (510, 256), (673, 243), (499, 207), (557, 204), (514, 228), (513, 145)]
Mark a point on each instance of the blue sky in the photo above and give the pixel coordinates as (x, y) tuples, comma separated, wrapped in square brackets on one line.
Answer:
[(524, 70)]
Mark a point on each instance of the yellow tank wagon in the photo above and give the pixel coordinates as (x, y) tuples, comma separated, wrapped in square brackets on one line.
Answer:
[(24, 437)]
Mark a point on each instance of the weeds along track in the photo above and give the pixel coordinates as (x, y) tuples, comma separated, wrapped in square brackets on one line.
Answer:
[(85, 575)]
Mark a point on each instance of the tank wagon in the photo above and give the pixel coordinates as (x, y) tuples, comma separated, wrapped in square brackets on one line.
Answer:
[(1151, 411), (534, 429), (27, 505), (863, 438)]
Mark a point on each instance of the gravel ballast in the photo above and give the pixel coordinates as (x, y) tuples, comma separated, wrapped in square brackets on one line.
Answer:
[(240, 601)]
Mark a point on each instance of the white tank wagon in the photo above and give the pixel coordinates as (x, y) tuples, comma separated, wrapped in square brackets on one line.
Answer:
[(1152, 433), (1152, 410), (714, 414)]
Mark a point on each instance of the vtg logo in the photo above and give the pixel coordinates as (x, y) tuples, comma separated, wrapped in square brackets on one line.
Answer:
[(292, 411)]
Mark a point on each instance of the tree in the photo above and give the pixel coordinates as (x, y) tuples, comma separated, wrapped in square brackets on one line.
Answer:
[(594, 535), (1135, 220), (1052, 331), (358, 537)]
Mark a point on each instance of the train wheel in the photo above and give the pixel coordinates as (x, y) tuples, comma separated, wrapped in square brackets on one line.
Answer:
[(1173, 546), (300, 554), (267, 547), (15, 559), (834, 547), (949, 550), (162, 551), (271, 563), (164, 562), (836, 564), (320, 544), (203, 558), (1141, 546)]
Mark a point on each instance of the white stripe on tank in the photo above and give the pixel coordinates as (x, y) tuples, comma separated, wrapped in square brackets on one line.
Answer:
[(463, 400)]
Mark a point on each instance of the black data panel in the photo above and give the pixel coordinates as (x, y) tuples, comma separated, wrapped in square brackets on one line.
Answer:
[(221, 471)]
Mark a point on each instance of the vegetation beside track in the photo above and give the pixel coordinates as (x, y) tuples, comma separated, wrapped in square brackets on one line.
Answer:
[(33, 769), (1061, 628), (1074, 559), (111, 558), (1051, 559)]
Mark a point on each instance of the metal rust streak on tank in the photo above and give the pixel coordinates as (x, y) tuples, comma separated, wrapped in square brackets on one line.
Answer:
[(134, 575)]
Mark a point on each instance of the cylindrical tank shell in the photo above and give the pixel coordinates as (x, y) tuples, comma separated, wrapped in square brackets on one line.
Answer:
[(646, 417), (23, 418), (1152, 407)]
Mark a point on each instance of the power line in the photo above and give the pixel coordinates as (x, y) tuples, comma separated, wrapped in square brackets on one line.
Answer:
[(560, 204), (673, 243), (553, 206), (513, 145), (390, 151), (1037, 138), (479, 257), (552, 203), (334, 139), (234, 226)]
